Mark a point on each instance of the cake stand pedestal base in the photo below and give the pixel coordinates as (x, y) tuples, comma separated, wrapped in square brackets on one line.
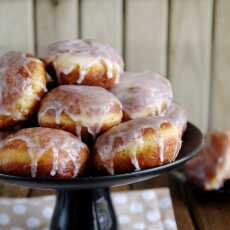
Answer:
[(90, 209)]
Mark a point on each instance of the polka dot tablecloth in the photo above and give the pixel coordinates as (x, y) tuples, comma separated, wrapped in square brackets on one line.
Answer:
[(136, 210)]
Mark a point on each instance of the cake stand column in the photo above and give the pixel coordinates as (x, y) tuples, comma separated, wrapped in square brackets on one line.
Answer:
[(84, 210)]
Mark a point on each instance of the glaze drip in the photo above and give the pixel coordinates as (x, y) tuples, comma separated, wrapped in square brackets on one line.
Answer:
[(161, 145), (40, 140), (78, 131), (67, 55), (87, 106), (133, 156), (144, 94)]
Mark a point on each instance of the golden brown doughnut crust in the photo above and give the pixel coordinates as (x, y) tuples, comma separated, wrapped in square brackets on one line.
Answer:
[(82, 110), (137, 144), (22, 84), (43, 152), (84, 62)]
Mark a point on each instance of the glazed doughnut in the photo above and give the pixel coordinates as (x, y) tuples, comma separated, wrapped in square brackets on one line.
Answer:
[(137, 144), (22, 84), (210, 169), (82, 110), (84, 62), (143, 94), (43, 152)]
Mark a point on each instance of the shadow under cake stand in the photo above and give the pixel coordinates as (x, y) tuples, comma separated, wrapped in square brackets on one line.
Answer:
[(84, 203)]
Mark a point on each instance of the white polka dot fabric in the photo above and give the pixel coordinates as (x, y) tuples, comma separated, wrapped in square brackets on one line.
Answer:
[(26, 213), (145, 210), (136, 210)]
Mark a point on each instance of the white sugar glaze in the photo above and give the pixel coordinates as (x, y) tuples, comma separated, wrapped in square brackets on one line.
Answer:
[(86, 105), (178, 116), (14, 83), (40, 140), (161, 146), (66, 55), (143, 94), (128, 132), (78, 131)]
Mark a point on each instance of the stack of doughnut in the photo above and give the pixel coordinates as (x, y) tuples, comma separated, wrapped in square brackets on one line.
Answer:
[(97, 117)]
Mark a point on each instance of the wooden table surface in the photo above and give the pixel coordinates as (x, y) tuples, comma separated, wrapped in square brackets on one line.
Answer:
[(192, 210)]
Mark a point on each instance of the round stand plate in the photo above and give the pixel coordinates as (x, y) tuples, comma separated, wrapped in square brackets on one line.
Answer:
[(196, 190), (85, 201)]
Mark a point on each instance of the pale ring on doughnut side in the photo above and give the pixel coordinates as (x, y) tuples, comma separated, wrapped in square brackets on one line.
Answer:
[(85, 62)]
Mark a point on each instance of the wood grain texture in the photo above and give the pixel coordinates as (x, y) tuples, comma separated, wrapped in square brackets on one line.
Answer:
[(180, 204), (146, 35), (55, 20), (40, 192), (220, 104), (16, 25), (210, 212), (102, 20), (9, 190), (189, 56)]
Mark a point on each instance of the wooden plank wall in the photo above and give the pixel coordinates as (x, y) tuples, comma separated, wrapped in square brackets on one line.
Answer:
[(17, 25), (190, 55), (220, 97), (188, 40), (146, 27), (103, 21), (55, 20)]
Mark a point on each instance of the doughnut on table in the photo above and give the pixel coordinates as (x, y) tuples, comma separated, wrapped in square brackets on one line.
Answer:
[(85, 202)]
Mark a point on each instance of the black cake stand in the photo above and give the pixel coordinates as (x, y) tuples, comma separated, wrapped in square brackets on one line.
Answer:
[(84, 203)]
